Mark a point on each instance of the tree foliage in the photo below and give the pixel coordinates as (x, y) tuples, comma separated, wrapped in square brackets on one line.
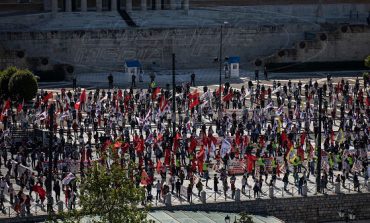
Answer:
[(4, 81), (109, 195), (23, 85), (367, 61)]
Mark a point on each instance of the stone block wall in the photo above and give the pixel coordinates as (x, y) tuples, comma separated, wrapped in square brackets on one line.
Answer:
[(296, 209)]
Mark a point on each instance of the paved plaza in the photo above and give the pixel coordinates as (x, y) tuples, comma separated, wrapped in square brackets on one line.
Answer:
[(209, 195)]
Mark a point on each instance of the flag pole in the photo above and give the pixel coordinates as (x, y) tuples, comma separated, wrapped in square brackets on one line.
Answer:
[(318, 167)]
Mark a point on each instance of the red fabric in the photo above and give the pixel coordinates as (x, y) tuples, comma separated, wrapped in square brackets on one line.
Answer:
[(332, 136), (83, 96), (118, 144), (167, 157), (47, 97), (193, 95), (77, 105), (20, 107), (228, 97), (193, 144), (156, 91), (218, 91), (194, 103), (38, 189), (120, 95), (140, 146), (250, 162), (237, 138), (159, 166)]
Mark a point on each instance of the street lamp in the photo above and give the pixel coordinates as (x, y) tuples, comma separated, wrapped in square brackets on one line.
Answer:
[(220, 62), (227, 219)]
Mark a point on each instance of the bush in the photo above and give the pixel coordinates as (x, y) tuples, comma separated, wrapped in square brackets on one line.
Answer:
[(4, 81), (23, 85), (367, 61)]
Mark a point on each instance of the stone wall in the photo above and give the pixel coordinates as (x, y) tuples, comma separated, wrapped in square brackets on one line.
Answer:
[(103, 50), (296, 209), (106, 50)]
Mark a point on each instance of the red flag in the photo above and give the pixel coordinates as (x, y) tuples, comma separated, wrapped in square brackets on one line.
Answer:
[(127, 98), (140, 146), (194, 103), (250, 162), (144, 178), (118, 144), (77, 105), (228, 97), (120, 96), (7, 105), (193, 144), (193, 95), (156, 91), (20, 106), (38, 189), (300, 153), (368, 101), (83, 96), (47, 97), (159, 166), (218, 91), (237, 138)]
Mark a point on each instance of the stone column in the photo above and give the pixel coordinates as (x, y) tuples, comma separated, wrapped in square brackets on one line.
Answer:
[(113, 6), (99, 5), (128, 5), (157, 4), (143, 5), (186, 5), (83, 5), (68, 5), (173, 5), (54, 6)]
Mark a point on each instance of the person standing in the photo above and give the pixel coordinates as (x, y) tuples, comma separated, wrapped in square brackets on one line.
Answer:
[(215, 184), (192, 78), (265, 73), (256, 74), (133, 80), (56, 189), (110, 80)]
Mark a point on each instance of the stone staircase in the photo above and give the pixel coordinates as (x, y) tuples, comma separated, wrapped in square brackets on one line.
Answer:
[(213, 3)]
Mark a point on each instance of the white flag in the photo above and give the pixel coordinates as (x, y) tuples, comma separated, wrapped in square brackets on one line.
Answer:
[(225, 148)]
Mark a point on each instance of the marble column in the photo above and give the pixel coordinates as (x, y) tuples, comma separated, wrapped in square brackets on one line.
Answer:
[(113, 6), (68, 5), (186, 5), (83, 5), (54, 6), (128, 5), (157, 4), (143, 5), (173, 5), (99, 5)]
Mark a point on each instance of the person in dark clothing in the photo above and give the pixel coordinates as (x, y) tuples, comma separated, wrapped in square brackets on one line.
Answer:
[(110, 80), (74, 82), (56, 189), (256, 72), (265, 73), (133, 80), (192, 77)]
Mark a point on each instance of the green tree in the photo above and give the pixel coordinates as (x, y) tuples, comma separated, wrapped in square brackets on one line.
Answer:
[(245, 218), (109, 195), (367, 61), (4, 81), (23, 85)]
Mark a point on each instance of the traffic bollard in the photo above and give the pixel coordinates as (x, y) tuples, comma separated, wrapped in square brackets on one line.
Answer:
[(203, 197), (237, 195), (271, 192)]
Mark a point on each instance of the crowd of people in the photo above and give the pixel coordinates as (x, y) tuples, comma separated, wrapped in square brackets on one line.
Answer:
[(262, 131)]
